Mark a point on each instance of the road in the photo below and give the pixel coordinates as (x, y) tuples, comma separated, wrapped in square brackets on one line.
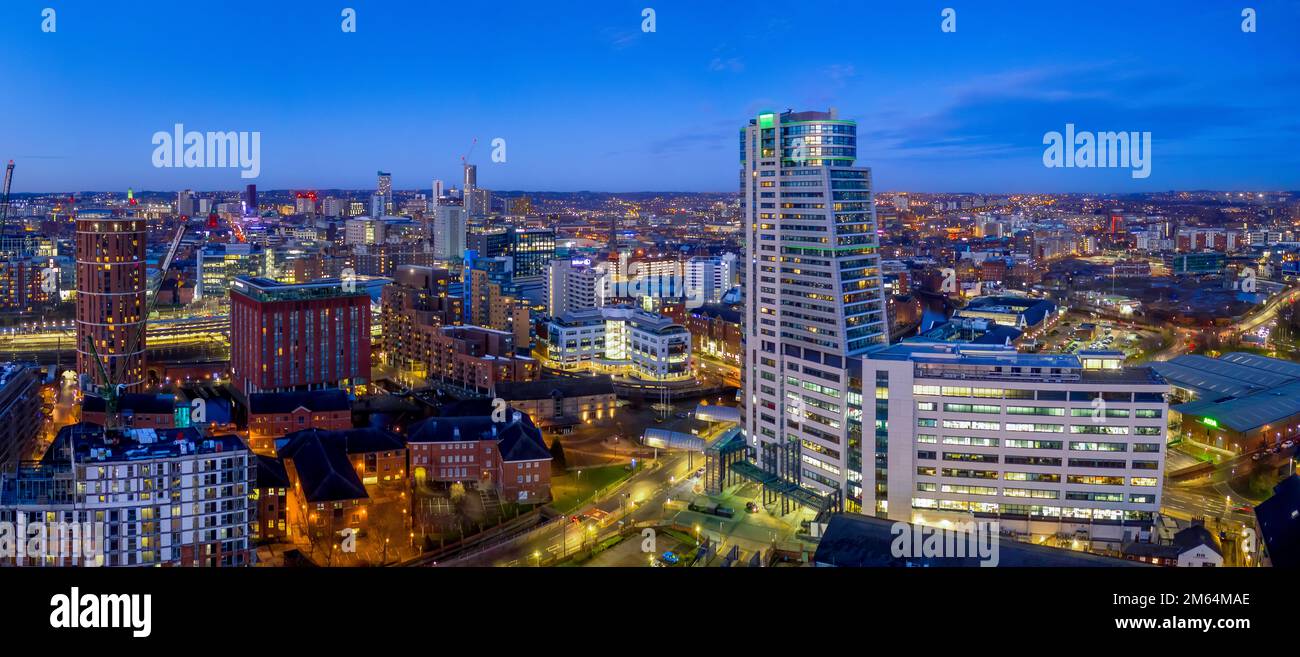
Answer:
[(644, 493)]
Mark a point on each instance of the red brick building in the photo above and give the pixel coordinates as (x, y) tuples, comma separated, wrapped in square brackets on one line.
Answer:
[(298, 336), (111, 296), (274, 415), (509, 457), (716, 332)]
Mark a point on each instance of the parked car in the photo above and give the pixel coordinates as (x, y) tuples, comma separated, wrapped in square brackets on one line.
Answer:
[(751, 507), (1288, 444), (669, 558)]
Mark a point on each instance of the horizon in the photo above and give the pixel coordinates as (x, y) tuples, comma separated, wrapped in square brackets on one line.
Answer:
[(592, 103)]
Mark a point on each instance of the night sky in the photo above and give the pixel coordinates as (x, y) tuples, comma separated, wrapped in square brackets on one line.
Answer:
[(586, 101)]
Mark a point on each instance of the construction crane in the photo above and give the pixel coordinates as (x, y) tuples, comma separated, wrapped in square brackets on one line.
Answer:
[(4, 196), (464, 159), (109, 390)]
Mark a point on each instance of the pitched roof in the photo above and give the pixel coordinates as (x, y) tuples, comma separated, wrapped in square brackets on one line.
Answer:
[(135, 402), (518, 439), (271, 473), (326, 474), (564, 386), (321, 459), (288, 402), (1194, 537), (1279, 523)]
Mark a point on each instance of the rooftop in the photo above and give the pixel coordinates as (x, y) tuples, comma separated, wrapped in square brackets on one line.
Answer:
[(858, 541), (1236, 374), (91, 443)]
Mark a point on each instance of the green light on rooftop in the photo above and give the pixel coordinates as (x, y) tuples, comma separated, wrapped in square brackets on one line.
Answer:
[(766, 120)]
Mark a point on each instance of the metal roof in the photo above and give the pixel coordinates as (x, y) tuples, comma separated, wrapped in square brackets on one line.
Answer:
[(1250, 412), (1233, 375)]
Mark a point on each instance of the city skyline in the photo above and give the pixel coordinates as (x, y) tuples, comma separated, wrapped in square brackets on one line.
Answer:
[(594, 103)]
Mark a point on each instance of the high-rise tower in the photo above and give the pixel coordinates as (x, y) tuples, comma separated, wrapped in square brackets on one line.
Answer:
[(468, 191), (111, 296), (814, 299), (384, 190)]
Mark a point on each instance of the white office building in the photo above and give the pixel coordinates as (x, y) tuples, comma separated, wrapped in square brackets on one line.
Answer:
[(574, 284), (1049, 445), (709, 277), (620, 340)]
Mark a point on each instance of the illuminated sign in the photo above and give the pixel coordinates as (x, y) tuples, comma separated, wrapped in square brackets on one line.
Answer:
[(1210, 422)]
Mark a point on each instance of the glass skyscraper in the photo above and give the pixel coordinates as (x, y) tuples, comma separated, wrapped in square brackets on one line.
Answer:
[(814, 300)]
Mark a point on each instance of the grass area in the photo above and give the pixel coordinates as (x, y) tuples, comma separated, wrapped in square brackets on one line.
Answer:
[(571, 490)]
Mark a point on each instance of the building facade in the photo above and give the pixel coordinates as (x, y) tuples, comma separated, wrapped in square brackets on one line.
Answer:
[(160, 498), (298, 337), (1047, 445), (814, 295), (20, 412), (620, 340), (111, 279)]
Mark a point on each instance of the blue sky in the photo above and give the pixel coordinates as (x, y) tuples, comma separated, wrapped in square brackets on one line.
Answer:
[(586, 101)]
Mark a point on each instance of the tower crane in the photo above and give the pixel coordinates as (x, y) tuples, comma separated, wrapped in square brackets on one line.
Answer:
[(4, 195)]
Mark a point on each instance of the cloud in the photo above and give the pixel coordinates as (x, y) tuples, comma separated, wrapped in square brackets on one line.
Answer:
[(1006, 114), (730, 65)]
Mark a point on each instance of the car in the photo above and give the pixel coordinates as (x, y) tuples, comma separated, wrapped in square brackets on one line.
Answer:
[(669, 558), (751, 507), (1256, 456), (682, 416), (1288, 444)]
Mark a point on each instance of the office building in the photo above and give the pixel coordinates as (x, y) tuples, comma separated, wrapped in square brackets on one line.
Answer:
[(250, 201), (573, 284), (449, 233), (185, 203), (532, 250), (217, 266), (709, 277), (622, 341), (111, 296), (298, 337), (814, 294), (489, 242), (1042, 443)]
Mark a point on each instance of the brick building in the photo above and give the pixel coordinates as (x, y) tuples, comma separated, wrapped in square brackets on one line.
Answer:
[(274, 415), (298, 336), (509, 457)]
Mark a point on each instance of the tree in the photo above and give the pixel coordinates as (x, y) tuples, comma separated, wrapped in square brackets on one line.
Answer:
[(557, 455)]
